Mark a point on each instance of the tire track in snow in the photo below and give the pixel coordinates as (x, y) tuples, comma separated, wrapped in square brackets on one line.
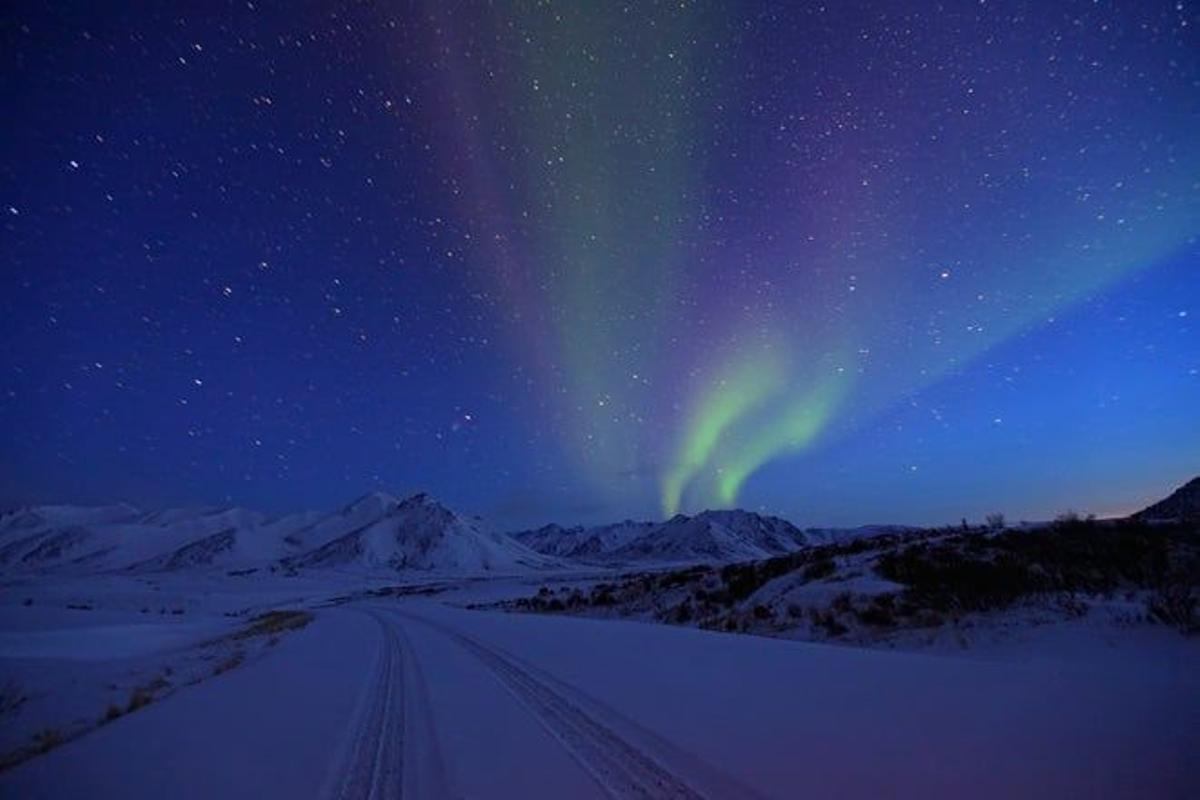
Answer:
[(375, 769), (621, 768), (425, 774)]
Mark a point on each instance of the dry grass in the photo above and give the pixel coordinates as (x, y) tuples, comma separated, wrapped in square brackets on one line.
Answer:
[(46, 740), (146, 694), (271, 625), (234, 661), (274, 623), (138, 699)]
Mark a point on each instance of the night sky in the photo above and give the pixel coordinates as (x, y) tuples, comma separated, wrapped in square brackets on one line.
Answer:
[(576, 262)]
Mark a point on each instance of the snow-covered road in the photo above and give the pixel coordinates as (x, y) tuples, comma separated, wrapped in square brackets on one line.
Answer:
[(418, 699)]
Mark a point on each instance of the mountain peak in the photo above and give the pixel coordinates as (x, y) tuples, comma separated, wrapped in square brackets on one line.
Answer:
[(419, 499), (417, 533), (383, 504), (378, 502)]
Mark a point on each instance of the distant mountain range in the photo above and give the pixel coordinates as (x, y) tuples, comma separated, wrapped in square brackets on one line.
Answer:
[(376, 533), (380, 533), (709, 537)]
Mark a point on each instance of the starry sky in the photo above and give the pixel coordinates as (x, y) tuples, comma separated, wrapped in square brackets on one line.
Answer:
[(577, 262)]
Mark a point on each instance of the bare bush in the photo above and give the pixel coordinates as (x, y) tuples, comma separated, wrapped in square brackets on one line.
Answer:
[(1175, 605)]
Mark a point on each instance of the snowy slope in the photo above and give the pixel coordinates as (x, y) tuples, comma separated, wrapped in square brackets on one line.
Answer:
[(377, 531), (580, 542), (455, 703), (417, 533), (819, 536), (708, 537), (714, 536), (81, 540)]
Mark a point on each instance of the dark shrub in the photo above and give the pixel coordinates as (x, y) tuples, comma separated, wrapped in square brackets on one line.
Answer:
[(880, 613), (680, 577), (140, 698), (1175, 605), (973, 573), (820, 569), (830, 624), (46, 740), (602, 596)]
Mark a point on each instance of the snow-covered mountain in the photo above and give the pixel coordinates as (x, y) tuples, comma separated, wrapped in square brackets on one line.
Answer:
[(376, 532), (75, 539), (585, 544), (707, 537), (1182, 504), (417, 533), (714, 537)]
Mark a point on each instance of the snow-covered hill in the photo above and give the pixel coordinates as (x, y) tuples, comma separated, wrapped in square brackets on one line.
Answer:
[(377, 532), (708, 537), (585, 544), (417, 533), (714, 537), (72, 539)]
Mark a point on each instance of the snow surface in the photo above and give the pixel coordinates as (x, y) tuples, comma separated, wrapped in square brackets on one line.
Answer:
[(415, 694), (398, 689), (99, 642)]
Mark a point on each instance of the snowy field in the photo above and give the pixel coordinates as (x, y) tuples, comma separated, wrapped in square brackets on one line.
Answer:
[(413, 695), (375, 652)]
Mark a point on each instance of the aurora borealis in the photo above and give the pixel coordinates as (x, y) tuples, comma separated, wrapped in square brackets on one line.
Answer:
[(584, 261)]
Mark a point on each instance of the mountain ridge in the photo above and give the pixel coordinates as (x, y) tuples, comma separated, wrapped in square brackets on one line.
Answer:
[(1183, 505), (382, 532), (709, 536), (375, 532)]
